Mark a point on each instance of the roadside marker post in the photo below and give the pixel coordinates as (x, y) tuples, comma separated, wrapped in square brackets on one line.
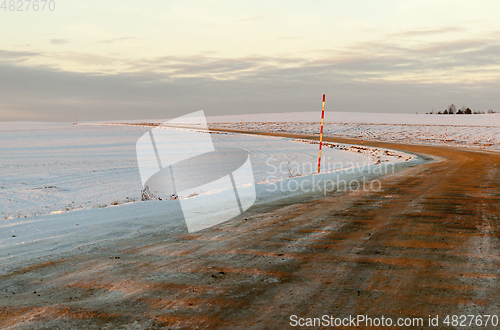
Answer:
[(321, 133), (445, 133)]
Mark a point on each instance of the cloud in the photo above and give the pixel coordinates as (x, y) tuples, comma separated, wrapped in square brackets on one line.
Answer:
[(288, 38), (431, 61), (379, 59), (210, 66), (426, 32), (456, 45), (378, 76), (86, 59), (112, 41), (58, 41), (54, 95), (16, 55), (255, 18)]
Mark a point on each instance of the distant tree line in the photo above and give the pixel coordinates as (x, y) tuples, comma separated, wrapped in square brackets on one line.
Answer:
[(452, 109)]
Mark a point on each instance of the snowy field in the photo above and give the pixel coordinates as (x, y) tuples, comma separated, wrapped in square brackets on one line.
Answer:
[(71, 187), (472, 131)]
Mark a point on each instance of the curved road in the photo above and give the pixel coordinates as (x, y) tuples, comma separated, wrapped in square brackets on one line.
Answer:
[(426, 244)]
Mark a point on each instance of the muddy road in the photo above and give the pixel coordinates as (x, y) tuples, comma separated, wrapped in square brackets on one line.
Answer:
[(426, 244)]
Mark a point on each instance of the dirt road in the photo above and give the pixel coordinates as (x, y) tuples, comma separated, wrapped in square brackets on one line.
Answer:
[(426, 244)]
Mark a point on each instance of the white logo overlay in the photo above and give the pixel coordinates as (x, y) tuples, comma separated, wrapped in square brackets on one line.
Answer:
[(179, 161)]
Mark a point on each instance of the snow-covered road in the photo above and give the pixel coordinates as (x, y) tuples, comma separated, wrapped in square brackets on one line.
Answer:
[(472, 131)]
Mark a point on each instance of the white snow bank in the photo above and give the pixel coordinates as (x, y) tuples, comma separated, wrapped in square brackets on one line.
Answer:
[(363, 118), (52, 168), (473, 131), (57, 183)]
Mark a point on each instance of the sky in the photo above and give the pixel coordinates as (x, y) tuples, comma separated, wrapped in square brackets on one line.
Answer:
[(124, 59)]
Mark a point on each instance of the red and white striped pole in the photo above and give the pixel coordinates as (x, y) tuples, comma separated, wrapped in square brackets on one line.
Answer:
[(321, 134), (445, 133)]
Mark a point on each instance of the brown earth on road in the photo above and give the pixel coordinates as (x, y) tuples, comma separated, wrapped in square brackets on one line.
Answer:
[(426, 244)]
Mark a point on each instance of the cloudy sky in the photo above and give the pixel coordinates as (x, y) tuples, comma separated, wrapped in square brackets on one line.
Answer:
[(131, 59)]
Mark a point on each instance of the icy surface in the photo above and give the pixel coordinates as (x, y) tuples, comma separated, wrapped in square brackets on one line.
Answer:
[(69, 187), (47, 168), (54, 168), (473, 131)]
